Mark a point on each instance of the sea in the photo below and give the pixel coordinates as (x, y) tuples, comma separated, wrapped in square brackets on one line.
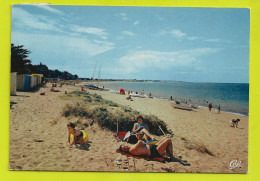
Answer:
[(232, 97)]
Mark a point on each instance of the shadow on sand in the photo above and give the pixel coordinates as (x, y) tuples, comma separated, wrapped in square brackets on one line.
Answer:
[(183, 162), (85, 146), (11, 104)]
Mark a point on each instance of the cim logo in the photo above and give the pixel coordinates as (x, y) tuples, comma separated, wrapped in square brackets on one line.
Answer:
[(234, 164)]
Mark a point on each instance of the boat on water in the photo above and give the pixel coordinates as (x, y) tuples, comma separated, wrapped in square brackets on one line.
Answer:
[(179, 106), (138, 95), (90, 86)]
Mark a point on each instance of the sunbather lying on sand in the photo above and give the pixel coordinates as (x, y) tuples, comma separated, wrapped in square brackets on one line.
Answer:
[(153, 151), (53, 90), (75, 136), (42, 93)]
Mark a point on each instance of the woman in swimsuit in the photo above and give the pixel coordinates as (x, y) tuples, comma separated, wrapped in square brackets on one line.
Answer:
[(76, 134), (153, 151), (139, 125)]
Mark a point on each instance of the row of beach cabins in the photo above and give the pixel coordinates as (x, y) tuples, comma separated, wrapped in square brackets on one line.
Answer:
[(28, 82), (24, 82)]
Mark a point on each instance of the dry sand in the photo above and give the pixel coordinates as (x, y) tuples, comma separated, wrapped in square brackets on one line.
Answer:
[(38, 137)]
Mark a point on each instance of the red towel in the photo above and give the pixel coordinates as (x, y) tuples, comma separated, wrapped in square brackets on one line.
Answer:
[(159, 159), (120, 136)]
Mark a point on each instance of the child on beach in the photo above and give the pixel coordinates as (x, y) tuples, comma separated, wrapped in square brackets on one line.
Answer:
[(234, 122), (76, 136)]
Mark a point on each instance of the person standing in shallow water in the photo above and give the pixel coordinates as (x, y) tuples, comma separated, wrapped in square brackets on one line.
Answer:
[(210, 107), (218, 108)]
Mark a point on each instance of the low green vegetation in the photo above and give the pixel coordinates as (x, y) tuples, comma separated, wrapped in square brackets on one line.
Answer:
[(108, 114)]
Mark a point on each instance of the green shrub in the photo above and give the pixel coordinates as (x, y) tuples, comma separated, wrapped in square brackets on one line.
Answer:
[(103, 113)]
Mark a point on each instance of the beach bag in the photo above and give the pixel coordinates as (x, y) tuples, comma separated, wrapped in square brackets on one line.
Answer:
[(132, 139)]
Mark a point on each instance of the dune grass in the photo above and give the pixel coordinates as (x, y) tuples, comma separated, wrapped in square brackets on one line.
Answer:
[(200, 147), (108, 114)]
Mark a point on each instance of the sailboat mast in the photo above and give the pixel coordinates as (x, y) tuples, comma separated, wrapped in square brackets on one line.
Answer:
[(99, 74), (94, 71)]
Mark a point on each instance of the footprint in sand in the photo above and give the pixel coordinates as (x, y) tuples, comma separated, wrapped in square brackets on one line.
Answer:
[(16, 156)]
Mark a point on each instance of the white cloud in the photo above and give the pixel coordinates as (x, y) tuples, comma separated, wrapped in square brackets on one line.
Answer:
[(23, 19), (159, 18), (90, 30), (128, 33), (52, 45), (136, 22), (174, 32), (123, 16), (193, 38), (213, 40), (50, 9), (141, 60)]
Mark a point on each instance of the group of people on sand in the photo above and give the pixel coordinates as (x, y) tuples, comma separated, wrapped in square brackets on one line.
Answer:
[(162, 148), (52, 88)]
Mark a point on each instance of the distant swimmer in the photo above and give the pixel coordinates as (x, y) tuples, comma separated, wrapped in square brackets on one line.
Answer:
[(150, 95), (210, 107)]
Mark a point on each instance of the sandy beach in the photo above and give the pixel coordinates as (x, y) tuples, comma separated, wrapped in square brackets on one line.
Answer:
[(38, 137)]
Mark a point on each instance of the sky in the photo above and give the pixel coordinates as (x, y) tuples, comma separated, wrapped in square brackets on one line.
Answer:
[(144, 43)]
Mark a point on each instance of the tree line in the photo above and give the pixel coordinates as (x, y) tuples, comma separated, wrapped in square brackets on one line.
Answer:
[(22, 65)]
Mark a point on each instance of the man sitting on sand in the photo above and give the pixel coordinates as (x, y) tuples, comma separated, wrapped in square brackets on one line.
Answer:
[(74, 136), (234, 122), (129, 98), (153, 151), (53, 90)]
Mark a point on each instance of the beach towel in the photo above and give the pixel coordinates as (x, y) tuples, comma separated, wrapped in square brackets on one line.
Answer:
[(126, 137), (159, 159), (120, 136)]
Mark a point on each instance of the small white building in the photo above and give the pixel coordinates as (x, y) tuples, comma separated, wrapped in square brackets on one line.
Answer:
[(13, 84)]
